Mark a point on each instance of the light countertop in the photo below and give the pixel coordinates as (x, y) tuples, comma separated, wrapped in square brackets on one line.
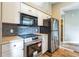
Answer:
[(8, 39), (41, 33)]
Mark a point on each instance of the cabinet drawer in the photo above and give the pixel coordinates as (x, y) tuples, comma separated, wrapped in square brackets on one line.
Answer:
[(6, 54), (13, 53), (5, 48), (12, 45), (16, 45), (17, 53)]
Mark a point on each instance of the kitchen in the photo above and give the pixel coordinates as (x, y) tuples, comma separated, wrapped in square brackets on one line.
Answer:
[(26, 30), (39, 29)]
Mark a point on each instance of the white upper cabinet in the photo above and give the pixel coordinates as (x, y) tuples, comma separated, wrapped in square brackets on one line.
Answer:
[(46, 16), (10, 12), (34, 12), (28, 10), (41, 17)]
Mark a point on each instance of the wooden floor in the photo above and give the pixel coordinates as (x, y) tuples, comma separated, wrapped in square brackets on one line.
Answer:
[(61, 53)]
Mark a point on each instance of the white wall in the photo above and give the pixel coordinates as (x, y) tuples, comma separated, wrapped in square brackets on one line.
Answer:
[(56, 12), (0, 32), (71, 26)]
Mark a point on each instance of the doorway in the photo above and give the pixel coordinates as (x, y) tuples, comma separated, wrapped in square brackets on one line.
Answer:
[(71, 28)]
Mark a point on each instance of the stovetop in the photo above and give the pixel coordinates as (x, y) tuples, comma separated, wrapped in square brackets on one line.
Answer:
[(28, 35)]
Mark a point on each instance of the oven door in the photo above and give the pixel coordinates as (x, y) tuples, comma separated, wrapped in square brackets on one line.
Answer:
[(34, 50)]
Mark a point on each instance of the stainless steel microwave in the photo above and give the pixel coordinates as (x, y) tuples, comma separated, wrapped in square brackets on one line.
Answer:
[(28, 20)]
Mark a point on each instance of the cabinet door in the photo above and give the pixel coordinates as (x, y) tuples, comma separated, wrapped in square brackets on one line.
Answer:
[(13, 49), (40, 18), (28, 10), (10, 12), (17, 48), (6, 50), (44, 43)]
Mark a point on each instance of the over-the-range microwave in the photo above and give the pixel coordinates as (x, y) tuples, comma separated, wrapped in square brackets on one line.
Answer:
[(28, 20)]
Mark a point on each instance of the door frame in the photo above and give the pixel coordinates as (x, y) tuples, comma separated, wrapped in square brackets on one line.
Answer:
[(72, 6)]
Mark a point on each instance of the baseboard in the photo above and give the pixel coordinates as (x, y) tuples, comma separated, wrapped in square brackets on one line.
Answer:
[(66, 48), (75, 42)]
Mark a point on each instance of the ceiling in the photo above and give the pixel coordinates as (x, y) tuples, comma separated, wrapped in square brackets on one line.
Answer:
[(53, 2), (73, 6)]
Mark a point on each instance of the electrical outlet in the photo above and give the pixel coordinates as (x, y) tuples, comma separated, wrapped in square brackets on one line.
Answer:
[(11, 31), (36, 30)]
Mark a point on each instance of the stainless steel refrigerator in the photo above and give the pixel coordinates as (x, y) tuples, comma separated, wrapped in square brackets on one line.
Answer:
[(54, 35)]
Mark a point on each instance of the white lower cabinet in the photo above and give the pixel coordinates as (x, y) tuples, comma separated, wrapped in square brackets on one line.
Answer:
[(44, 43), (13, 49)]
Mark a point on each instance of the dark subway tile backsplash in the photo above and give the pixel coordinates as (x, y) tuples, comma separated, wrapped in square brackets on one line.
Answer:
[(9, 29), (27, 30), (14, 29)]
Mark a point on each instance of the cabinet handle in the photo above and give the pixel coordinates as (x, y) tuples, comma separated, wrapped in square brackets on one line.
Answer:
[(14, 45), (30, 10)]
